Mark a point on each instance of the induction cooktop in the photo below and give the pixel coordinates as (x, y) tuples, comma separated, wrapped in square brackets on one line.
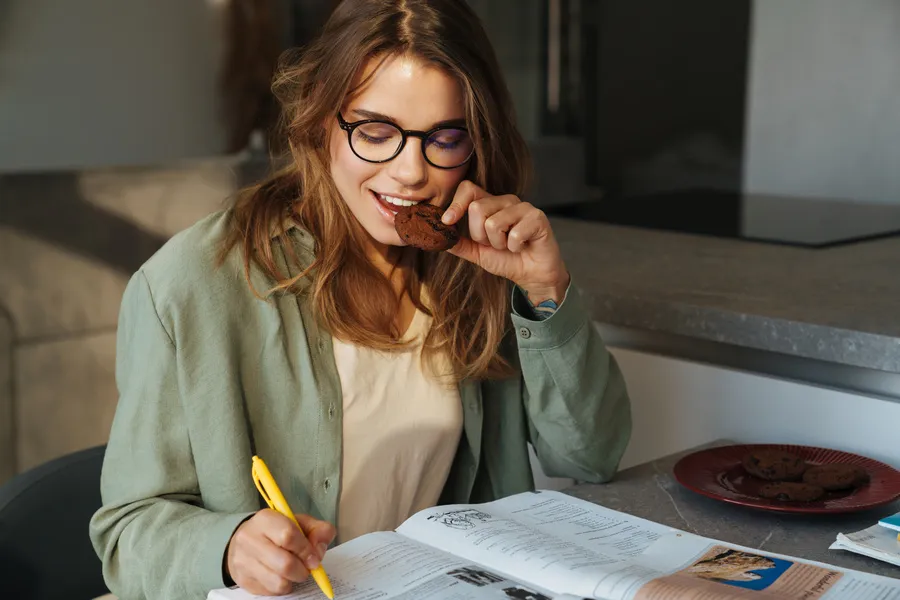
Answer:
[(805, 222)]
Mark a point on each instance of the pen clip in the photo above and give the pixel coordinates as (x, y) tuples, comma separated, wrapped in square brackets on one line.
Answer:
[(260, 487)]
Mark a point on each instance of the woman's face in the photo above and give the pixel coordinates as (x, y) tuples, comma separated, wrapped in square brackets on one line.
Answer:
[(412, 95)]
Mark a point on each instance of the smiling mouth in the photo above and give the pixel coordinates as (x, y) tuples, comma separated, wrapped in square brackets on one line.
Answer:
[(394, 203)]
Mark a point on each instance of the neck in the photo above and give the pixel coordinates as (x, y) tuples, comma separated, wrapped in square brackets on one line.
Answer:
[(394, 262), (385, 258)]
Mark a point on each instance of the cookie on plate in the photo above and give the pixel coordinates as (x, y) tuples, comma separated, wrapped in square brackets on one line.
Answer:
[(774, 465), (420, 226), (836, 477), (791, 491)]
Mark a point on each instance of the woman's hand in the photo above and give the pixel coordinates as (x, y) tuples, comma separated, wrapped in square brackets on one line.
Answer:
[(512, 239), (267, 554)]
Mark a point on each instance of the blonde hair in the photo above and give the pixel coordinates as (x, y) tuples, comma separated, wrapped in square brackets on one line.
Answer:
[(353, 300)]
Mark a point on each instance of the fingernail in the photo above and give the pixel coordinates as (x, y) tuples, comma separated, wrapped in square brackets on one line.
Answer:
[(449, 215), (311, 562), (322, 548)]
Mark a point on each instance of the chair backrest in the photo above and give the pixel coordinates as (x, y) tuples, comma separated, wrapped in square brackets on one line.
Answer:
[(45, 551)]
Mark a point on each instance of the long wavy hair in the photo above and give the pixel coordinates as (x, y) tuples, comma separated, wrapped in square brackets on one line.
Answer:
[(353, 300)]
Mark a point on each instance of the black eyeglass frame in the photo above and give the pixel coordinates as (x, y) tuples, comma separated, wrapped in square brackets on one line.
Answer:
[(404, 135)]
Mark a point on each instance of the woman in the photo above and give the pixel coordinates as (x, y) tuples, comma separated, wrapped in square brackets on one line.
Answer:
[(374, 379)]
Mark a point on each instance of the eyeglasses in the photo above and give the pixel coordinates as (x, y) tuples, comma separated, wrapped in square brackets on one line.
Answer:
[(381, 141)]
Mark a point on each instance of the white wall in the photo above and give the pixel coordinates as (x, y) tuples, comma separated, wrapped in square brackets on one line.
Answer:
[(824, 99), (107, 82), (679, 404)]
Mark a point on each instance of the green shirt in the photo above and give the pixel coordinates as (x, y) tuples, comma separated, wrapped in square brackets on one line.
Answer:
[(208, 375)]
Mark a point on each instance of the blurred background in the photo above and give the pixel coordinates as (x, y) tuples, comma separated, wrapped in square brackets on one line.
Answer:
[(122, 123)]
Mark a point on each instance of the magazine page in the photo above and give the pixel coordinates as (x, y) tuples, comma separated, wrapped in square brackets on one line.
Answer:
[(548, 539), (685, 566), (388, 565)]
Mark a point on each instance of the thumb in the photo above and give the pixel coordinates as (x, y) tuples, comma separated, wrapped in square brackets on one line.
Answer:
[(465, 194)]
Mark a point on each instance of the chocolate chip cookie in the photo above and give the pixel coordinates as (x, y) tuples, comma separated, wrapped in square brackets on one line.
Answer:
[(836, 476), (420, 226), (774, 465), (791, 491)]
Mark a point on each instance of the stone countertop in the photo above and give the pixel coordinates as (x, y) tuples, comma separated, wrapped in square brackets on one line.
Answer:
[(650, 491), (839, 304)]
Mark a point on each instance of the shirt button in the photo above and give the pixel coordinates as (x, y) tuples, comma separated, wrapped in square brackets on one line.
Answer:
[(331, 412), (321, 345), (525, 333), (327, 484)]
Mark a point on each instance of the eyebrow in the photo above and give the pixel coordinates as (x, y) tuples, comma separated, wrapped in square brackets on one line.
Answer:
[(368, 114)]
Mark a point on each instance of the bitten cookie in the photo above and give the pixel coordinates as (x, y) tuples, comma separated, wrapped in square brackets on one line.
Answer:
[(774, 465), (836, 477), (791, 491), (420, 226)]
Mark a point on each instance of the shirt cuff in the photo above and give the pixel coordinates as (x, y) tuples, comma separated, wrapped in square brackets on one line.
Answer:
[(553, 331), (212, 550), (523, 307)]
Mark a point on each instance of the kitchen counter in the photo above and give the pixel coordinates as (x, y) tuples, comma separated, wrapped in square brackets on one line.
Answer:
[(650, 491), (839, 306)]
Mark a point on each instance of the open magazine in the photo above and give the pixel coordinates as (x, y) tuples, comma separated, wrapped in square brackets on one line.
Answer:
[(550, 546)]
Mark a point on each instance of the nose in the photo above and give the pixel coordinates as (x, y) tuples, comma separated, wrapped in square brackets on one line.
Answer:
[(409, 167)]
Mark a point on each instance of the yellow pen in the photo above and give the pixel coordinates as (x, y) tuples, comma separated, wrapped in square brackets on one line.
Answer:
[(267, 487)]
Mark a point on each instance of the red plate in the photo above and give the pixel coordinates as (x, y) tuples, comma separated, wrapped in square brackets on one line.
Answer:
[(717, 473)]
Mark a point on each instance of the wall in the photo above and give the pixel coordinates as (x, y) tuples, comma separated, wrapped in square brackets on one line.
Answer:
[(823, 99), (679, 404), (508, 23), (105, 82)]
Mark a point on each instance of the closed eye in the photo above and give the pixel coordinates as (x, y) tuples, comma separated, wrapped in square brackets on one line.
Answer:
[(369, 139)]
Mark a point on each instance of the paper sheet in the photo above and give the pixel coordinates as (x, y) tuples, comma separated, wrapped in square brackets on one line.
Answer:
[(387, 565), (556, 541), (876, 542)]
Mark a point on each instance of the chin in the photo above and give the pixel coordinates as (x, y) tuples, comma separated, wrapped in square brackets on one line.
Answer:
[(386, 236)]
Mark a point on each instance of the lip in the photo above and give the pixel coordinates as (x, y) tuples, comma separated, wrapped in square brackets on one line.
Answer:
[(387, 210)]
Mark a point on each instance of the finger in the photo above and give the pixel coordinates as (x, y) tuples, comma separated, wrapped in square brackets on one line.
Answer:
[(498, 225), (319, 533), (285, 534), (466, 193), (525, 231), (258, 588), (278, 560), (273, 583), (483, 209)]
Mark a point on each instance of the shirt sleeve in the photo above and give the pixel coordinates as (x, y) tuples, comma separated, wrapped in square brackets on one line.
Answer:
[(579, 413), (523, 307), (153, 534)]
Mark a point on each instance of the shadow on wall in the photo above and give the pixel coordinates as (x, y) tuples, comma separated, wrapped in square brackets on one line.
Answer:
[(7, 412), (49, 207)]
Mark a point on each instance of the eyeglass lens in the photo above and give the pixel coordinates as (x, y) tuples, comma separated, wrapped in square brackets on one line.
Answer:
[(381, 141)]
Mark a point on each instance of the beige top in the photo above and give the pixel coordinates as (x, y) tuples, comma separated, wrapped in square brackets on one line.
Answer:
[(401, 432)]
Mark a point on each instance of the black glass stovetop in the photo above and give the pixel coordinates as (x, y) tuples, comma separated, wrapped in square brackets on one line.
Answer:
[(806, 222)]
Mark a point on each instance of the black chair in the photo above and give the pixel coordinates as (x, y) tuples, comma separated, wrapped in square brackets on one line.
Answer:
[(45, 551)]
